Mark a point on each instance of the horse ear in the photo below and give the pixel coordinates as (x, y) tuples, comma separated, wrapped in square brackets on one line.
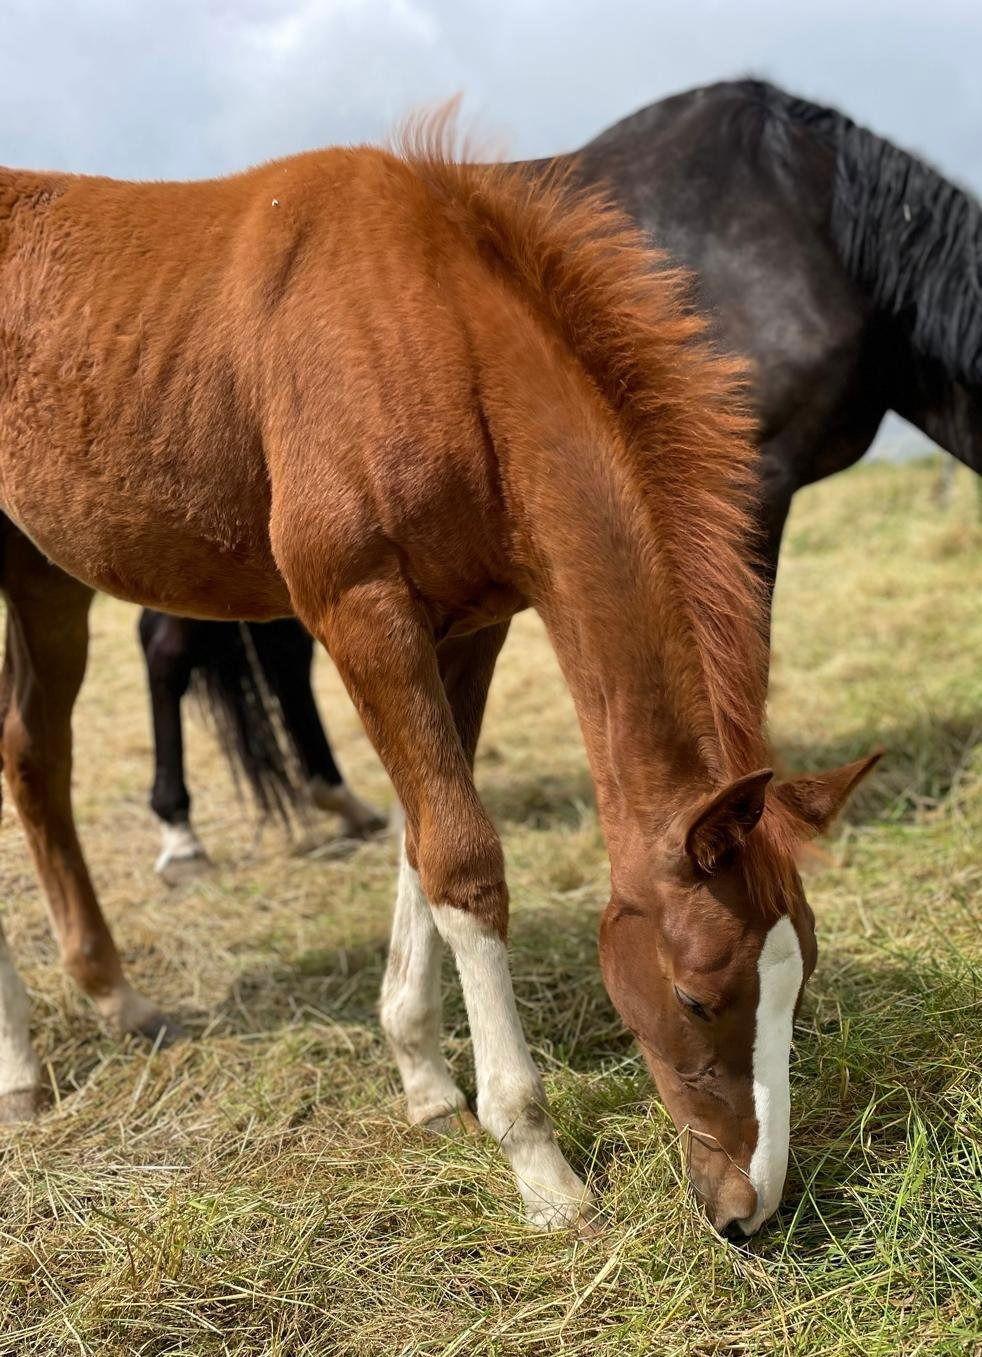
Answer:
[(817, 798), (724, 820)]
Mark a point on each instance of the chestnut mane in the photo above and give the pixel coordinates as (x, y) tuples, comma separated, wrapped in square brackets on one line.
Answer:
[(585, 268)]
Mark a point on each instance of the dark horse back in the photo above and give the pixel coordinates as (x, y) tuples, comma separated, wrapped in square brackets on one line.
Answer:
[(844, 268)]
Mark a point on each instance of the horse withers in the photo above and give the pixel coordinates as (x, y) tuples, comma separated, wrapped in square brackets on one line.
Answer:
[(402, 398)]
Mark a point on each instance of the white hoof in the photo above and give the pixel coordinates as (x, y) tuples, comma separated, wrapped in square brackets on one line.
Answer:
[(458, 1121), (572, 1208), (181, 856), (22, 1104)]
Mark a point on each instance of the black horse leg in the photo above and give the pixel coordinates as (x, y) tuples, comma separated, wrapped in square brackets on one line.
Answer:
[(285, 651), (777, 485), (168, 648)]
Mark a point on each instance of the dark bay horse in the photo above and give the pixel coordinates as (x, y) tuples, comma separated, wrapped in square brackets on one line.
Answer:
[(401, 398), (849, 272)]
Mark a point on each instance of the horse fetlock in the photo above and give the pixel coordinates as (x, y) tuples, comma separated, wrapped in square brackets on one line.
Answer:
[(431, 1093), (555, 1198), (517, 1115), (429, 1103)]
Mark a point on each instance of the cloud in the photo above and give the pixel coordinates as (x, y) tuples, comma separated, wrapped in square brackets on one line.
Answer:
[(196, 87)]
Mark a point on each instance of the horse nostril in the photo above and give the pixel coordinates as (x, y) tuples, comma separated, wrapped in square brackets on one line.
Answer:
[(732, 1231)]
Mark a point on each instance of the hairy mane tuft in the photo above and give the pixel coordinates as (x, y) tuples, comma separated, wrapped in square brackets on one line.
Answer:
[(902, 230), (680, 408)]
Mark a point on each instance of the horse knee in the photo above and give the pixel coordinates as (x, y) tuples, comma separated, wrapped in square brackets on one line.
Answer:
[(406, 1013), (463, 868)]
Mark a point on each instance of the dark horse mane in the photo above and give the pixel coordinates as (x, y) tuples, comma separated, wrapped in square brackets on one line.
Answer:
[(909, 235)]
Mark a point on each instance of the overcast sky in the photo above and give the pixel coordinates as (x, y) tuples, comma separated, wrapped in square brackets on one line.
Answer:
[(182, 88)]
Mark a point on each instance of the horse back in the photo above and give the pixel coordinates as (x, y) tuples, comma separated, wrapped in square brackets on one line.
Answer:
[(750, 220), (180, 360)]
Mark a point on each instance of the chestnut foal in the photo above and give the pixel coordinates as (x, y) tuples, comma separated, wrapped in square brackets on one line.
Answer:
[(402, 398)]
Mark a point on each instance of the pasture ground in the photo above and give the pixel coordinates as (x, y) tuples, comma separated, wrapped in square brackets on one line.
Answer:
[(254, 1189)]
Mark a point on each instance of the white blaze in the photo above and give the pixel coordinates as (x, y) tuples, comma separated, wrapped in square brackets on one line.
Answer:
[(780, 971)]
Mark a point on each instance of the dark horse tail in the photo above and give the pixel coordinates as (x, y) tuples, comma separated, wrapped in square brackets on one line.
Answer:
[(910, 237), (234, 690)]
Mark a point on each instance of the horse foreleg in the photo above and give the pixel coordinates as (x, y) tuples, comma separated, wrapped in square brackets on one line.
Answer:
[(47, 639), (385, 654), (412, 1001), (412, 1008), (777, 483)]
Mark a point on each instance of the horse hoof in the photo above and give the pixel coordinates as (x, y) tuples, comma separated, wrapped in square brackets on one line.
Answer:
[(159, 1028), (181, 855), (588, 1226), (548, 1218), (368, 828), (130, 1013), (23, 1104), (359, 821), (175, 871), (457, 1122), (572, 1208)]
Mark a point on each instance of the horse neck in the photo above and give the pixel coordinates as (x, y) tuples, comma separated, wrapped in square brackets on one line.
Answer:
[(638, 686), (947, 411)]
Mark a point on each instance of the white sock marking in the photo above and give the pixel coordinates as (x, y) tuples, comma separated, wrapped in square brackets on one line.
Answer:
[(412, 1003), (179, 843), (19, 1068), (780, 971), (510, 1098)]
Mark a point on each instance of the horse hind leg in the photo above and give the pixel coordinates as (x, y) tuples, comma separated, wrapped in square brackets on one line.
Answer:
[(47, 642), (169, 652)]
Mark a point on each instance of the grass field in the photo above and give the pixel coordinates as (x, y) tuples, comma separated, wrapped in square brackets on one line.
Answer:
[(255, 1190)]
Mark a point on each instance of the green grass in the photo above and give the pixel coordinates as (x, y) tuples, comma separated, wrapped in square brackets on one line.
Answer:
[(254, 1189)]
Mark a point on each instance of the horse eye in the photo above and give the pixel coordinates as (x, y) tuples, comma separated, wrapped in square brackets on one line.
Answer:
[(693, 1005)]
